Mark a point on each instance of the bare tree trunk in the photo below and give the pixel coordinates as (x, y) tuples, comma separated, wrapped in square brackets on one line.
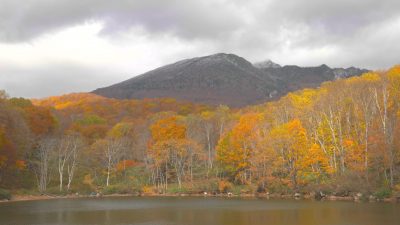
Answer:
[(62, 159), (166, 176), (108, 166), (67, 154), (387, 127), (45, 146), (112, 154), (72, 166)]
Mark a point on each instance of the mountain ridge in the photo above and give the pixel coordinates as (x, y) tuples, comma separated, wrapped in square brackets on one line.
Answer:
[(223, 79)]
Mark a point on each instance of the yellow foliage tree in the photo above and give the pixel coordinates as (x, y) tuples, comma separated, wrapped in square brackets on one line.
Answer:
[(290, 142), (235, 149)]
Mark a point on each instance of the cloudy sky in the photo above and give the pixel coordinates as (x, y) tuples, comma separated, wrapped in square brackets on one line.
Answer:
[(53, 47)]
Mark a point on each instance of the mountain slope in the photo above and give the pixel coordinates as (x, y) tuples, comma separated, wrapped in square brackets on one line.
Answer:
[(215, 79), (222, 79), (292, 78)]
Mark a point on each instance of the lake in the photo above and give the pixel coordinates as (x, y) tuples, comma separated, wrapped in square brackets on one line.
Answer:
[(196, 210)]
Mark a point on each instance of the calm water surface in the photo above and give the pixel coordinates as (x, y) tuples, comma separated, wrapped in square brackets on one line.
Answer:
[(199, 211)]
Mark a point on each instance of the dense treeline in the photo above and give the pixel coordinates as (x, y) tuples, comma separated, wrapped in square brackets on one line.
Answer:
[(340, 137)]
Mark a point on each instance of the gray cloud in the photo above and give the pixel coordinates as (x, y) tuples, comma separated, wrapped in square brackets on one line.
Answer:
[(335, 20), (327, 20), (24, 20), (55, 79), (339, 33), (233, 24)]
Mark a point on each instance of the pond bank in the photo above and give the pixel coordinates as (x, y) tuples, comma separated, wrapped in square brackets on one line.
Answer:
[(196, 211), (356, 198)]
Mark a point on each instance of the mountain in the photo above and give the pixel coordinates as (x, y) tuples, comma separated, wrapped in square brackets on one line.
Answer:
[(293, 78), (216, 79), (223, 79), (267, 64)]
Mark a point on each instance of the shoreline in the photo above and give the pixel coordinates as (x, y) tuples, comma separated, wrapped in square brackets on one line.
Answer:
[(20, 198)]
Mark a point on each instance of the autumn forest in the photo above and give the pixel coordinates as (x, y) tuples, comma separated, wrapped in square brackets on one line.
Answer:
[(339, 138)]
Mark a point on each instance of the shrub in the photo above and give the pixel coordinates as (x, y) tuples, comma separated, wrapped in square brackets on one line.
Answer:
[(5, 194), (81, 188), (397, 187), (148, 190), (238, 189), (383, 192), (278, 187), (206, 186), (112, 189), (55, 190), (224, 186), (26, 192), (349, 182), (88, 180), (118, 189), (175, 189), (261, 188)]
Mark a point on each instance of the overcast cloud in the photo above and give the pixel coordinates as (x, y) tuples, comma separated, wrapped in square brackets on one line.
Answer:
[(52, 47)]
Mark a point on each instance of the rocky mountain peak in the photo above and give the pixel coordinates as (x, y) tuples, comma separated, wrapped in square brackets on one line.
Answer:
[(266, 64), (224, 79)]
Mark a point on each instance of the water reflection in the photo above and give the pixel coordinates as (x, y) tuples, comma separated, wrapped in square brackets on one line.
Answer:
[(197, 211)]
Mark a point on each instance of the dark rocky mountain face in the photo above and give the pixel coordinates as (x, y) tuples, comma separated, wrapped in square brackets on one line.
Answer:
[(223, 79), (293, 78)]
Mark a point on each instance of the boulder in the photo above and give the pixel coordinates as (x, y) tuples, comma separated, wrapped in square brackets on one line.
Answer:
[(372, 198), (319, 195)]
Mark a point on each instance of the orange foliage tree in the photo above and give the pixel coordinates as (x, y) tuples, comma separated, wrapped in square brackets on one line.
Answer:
[(236, 149)]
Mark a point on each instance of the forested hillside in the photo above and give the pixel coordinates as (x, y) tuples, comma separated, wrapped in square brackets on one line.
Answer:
[(341, 137)]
